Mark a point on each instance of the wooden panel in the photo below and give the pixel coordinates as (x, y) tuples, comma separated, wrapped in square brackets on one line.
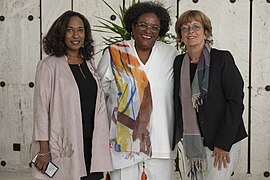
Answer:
[(230, 31), (19, 54)]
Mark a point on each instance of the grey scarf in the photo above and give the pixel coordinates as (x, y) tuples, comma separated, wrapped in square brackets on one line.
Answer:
[(191, 98)]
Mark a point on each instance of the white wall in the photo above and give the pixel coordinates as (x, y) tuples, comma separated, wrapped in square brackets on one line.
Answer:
[(20, 52)]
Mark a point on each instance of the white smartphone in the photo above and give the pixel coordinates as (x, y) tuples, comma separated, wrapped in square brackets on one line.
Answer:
[(51, 168)]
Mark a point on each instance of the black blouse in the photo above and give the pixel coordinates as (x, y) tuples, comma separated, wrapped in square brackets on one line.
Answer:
[(88, 93)]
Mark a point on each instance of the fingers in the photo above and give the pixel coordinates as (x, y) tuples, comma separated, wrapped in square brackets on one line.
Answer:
[(40, 165), (44, 167), (221, 158), (228, 158), (42, 162), (145, 143), (224, 159), (134, 134), (146, 148), (220, 161)]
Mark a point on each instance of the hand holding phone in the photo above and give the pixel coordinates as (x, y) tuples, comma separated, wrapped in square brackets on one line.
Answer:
[(51, 168)]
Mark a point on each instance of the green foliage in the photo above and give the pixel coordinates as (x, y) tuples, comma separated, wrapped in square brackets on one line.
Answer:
[(118, 32)]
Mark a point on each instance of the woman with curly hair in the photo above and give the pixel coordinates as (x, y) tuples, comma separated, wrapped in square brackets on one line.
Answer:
[(70, 118), (137, 78)]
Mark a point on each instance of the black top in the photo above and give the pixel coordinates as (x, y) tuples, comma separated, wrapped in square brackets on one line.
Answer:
[(88, 93), (192, 71)]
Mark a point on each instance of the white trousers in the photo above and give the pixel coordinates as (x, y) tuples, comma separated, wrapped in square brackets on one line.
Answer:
[(155, 169), (224, 173)]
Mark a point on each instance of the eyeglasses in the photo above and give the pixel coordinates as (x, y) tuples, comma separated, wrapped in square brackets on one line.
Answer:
[(144, 26), (194, 27)]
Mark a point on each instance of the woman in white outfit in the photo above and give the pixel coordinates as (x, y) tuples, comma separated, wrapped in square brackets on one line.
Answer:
[(137, 77)]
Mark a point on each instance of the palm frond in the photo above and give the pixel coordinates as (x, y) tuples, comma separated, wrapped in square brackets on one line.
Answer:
[(110, 7), (107, 26)]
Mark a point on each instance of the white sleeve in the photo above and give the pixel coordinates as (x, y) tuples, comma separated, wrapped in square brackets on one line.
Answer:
[(107, 78), (104, 71)]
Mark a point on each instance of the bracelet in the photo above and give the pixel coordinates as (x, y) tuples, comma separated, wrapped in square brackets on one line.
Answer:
[(44, 154)]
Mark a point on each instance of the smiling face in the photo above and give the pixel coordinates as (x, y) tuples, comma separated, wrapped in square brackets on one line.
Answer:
[(75, 34), (193, 34), (145, 31)]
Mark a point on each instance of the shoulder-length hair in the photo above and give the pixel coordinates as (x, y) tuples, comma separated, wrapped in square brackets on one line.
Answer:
[(188, 16), (54, 41)]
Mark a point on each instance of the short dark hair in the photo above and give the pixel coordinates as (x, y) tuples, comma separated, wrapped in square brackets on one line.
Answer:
[(54, 41), (134, 12)]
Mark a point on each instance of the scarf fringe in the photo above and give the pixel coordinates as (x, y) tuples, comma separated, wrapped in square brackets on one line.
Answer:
[(196, 167), (143, 176), (108, 177), (196, 102)]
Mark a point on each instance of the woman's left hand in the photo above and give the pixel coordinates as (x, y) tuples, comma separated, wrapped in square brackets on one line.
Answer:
[(42, 161), (221, 157)]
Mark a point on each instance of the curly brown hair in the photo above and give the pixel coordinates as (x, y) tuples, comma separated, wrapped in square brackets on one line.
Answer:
[(54, 41)]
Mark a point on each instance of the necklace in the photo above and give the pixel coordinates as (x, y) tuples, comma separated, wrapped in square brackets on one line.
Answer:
[(69, 60), (194, 62), (79, 65)]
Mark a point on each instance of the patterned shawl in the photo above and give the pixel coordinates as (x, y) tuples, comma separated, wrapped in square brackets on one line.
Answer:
[(191, 98), (134, 102)]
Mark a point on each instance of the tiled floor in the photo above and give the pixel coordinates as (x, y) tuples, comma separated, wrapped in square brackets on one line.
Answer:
[(16, 177)]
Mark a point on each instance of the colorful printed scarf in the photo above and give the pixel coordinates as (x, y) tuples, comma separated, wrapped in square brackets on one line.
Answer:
[(191, 98), (132, 115)]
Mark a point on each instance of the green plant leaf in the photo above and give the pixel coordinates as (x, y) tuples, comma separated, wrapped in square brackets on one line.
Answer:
[(111, 26), (110, 7), (108, 26), (121, 17)]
